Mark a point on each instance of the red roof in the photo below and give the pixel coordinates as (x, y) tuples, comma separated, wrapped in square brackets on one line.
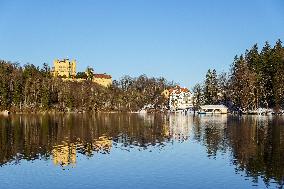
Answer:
[(178, 90), (103, 76)]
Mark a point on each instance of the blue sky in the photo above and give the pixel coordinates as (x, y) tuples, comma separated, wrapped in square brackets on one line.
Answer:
[(177, 39)]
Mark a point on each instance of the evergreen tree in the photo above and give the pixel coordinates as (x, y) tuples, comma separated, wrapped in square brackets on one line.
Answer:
[(267, 75), (211, 87), (5, 91), (17, 83), (252, 58), (242, 84), (278, 79), (197, 96), (223, 88)]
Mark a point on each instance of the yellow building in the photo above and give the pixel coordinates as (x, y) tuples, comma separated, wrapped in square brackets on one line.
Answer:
[(64, 155), (166, 93), (103, 144), (102, 79), (64, 68)]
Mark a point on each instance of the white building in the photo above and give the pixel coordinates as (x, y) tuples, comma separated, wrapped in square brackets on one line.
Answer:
[(180, 99), (213, 109)]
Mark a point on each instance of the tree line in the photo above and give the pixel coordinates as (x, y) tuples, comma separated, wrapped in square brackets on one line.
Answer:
[(255, 80), (31, 88)]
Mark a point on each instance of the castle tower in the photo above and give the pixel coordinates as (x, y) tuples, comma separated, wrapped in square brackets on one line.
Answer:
[(64, 68)]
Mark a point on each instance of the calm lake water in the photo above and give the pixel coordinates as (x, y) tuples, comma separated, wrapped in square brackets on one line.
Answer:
[(141, 151)]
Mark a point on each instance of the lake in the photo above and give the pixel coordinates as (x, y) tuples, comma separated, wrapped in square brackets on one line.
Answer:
[(141, 151)]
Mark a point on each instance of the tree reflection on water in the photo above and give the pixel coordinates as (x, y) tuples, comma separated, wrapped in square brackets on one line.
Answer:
[(256, 144), (60, 137)]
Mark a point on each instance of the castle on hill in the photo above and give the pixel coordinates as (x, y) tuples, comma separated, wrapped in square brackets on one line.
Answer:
[(66, 69)]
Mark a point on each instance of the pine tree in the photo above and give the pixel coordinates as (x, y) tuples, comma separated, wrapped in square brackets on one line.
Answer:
[(252, 58), (211, 87), (267, 74), (17, 82), (242, 84), (5, 92), (197, 96), (223, 88), (278, 79)]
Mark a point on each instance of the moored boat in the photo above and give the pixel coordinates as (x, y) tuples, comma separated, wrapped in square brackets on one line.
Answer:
[(213, 109)]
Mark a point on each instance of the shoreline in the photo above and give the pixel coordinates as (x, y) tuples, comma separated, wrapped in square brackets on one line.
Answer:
[(50, 112)]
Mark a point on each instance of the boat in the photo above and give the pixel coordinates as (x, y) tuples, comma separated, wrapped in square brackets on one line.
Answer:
[(213, 109)]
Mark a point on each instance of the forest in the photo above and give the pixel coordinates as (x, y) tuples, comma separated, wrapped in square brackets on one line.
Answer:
[(33, 89), (255, 80)]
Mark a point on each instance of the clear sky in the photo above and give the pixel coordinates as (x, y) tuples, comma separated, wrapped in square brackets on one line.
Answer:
[(177, 39)]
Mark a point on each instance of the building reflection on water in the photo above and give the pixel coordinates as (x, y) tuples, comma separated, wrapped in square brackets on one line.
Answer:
[(179, 127), (64, 154), (256, 144)]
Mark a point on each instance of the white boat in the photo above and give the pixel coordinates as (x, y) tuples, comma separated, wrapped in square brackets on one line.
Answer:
[(213, 109)]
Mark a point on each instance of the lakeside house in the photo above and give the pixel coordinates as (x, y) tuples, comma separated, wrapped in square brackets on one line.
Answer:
[(66, 69), (178, 98), (213, 109)]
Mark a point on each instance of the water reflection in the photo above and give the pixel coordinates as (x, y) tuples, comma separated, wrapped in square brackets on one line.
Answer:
[(60, 137), (179, 127), (211, 131), (260, 149), (256, 144)]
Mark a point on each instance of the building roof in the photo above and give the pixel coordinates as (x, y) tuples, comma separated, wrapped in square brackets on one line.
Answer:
[(102, 76), (177, 89)]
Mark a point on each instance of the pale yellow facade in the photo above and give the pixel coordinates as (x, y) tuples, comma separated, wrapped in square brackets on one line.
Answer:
[(64, 68), (102, 79), (105, 82)]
